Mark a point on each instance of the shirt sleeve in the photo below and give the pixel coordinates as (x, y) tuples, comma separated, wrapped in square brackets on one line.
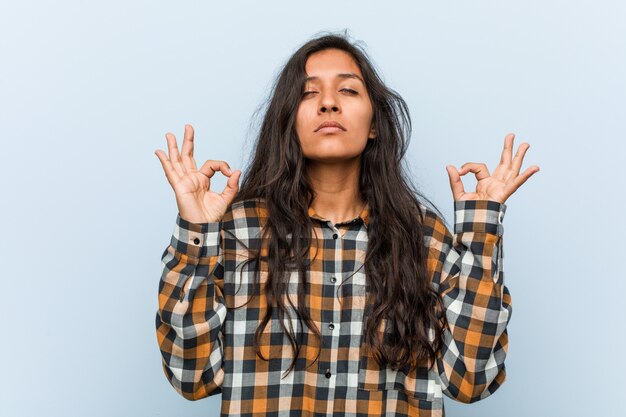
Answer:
[(192, 309), (468, 274)]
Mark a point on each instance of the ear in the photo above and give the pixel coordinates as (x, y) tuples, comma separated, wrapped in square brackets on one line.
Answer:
[(372, 134)]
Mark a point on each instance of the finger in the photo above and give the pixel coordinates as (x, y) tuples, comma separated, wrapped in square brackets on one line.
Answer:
[(172, 147), (521, 179), (170, 172), (187, 151), (455, 182), (519, 157), (174, 156), (479, 169), (210, 167), (232, 187), (507, 152)]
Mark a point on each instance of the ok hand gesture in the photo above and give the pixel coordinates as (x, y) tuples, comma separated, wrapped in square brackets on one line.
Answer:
[(196, 202), (499, 186)]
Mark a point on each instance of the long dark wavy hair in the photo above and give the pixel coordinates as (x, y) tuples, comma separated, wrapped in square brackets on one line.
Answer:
[(395, 264)]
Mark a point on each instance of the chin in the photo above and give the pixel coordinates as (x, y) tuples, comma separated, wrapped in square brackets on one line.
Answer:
[(332, 151), (331, 157)]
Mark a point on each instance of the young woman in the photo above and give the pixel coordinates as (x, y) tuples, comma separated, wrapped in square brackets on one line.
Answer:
[(325, 284)]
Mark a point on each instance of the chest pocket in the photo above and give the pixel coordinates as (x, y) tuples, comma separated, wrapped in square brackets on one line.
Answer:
[(420, 383)]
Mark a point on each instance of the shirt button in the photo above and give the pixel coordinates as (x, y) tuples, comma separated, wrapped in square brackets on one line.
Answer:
[(196, 241), (331, 326), (328, 374), (333, 280), (335, 235)]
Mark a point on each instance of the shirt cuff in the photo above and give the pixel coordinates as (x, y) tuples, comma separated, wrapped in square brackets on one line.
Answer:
[(196, 239), (481, 216)]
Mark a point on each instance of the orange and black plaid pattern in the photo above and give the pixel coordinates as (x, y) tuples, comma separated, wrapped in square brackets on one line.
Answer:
[(206, 342)]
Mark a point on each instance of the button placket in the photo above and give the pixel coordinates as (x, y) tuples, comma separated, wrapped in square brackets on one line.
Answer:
[(334, 318), (336, 236)]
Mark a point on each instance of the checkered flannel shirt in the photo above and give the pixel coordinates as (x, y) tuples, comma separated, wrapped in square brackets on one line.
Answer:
[(207, 345)]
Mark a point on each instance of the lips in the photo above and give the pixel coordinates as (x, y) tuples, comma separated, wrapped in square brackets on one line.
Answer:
[(330, 124)]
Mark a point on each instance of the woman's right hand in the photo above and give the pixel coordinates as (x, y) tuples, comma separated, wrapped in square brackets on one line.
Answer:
[(196, 202)]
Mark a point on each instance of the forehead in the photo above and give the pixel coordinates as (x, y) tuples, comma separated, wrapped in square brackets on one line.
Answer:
[(330, 62)]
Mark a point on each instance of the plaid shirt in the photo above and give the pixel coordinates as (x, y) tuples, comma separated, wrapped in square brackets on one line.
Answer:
[(207, 345)]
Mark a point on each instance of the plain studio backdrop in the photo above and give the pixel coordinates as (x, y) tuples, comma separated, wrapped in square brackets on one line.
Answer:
[(88, 91)]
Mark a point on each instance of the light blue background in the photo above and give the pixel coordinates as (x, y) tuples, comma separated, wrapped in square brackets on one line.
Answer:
[(88, 91)]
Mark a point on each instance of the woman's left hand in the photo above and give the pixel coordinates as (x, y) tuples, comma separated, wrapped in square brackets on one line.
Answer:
[(499, 186)]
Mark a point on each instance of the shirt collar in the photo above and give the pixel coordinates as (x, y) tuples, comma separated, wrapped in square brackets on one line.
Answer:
[(364, 215)]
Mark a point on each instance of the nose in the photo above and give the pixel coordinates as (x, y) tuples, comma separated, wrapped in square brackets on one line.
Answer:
[(328, 103)]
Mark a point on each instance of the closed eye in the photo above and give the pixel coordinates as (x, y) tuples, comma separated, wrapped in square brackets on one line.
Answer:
[(348, 90)]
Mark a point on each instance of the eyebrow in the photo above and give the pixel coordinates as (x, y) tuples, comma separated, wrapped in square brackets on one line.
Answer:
[(341, 75)]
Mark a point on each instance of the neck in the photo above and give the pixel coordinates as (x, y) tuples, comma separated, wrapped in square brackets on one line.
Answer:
[(336, 187)]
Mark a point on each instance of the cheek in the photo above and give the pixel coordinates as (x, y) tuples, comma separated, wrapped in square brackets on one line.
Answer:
[(302, 118), (360, 116), (364, 120)]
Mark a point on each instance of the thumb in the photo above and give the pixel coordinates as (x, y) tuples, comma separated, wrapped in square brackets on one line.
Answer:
[(455, 181), (232, 186)]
